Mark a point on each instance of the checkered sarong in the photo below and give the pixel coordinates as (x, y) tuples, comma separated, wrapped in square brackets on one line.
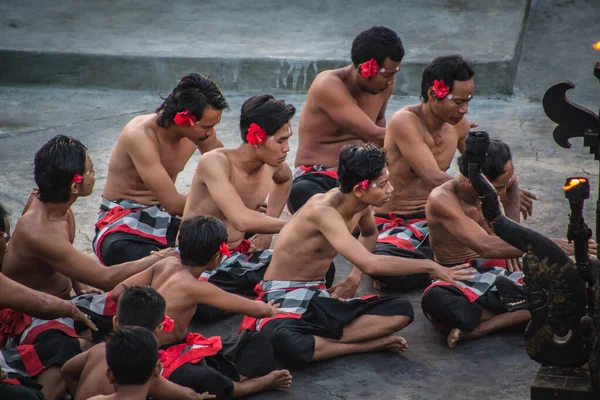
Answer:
[(151, 222), (239, 264), (407, 234), (315, 169), (486, 273)]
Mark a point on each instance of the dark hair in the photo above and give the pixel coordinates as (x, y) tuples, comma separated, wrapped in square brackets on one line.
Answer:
[(447, 68), (194, 92), (265, 111), (131, 355), (379, 43), (3, 216), (498, 155), (55, 165), (141, 306), (200, 238), (360, 162)]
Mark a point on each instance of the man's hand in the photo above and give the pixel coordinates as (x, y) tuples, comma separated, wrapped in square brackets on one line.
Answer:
[(272, 309), (462, 272), (77, 315), (526, 201), (514, 264), (473, 125), (260, 242), (84, 289), (192, 395), (345, 289), (164, 253)]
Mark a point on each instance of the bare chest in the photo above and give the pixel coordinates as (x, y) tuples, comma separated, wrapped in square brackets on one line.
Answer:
[(252, 189), (443, 147), (174, 158)]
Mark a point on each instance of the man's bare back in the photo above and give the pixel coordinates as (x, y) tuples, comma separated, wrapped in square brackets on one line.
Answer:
[(411, 191), (302, 252), (23, 265), (333, 116), (141, 134), (252, 189), (93, 379)]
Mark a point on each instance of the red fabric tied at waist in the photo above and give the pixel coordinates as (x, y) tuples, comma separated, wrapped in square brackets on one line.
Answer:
[(12, 323), (243, 247), (395, 221), (11, 381), (113, 215), (184, 353), (308, 169)]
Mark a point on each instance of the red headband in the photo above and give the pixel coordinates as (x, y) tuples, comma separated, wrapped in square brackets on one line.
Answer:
[(184, 118), (256, 134)]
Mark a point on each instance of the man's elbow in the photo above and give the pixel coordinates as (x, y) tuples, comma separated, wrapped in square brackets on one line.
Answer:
[(240, 223)]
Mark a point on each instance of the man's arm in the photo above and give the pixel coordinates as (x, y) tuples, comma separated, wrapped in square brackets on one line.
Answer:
[(72, 263), (210, 143), (404, 132), (511, 200), (367, 238), (164, 389), (72, 369), (341, 107), (146, 158), (381, 117), (332, 226), (214, 170), (31, 302), (448, 211)]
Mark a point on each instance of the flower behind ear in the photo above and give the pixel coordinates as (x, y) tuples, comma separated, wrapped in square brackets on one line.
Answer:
[(364, 185), (440, 88), (256, 134), (369, 68), (167, 324), (184, 118)]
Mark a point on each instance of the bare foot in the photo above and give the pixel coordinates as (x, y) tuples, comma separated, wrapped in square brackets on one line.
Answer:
[(278, 380), (454, 337), (378, 285), (395, 344)]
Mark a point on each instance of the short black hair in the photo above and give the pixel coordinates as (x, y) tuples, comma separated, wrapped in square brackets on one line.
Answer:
[(379, 43), (3, 217), (200, 238), (141, 306), (194, 92), (359, 162), (447, 68), (267, 112), (498, 155), (55, 165), (131, 355)]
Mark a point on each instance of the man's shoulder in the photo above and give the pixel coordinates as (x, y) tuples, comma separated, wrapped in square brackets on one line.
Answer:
[(216, 158), (327, 82), (407, 114), (442, 196), (138, 131)]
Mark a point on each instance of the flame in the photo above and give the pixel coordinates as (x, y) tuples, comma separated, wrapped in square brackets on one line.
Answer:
[(574, 182), (596, 46)]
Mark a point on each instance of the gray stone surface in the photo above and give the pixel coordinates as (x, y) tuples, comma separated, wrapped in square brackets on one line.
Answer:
[(268, 45), (495, 368)]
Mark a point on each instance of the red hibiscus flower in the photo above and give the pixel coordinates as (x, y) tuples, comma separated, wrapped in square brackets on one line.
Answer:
[(224, 249), (77, 178), (184, 118), (364, 185), (440, 88), (369, 68), (168, 324), (256, 134)]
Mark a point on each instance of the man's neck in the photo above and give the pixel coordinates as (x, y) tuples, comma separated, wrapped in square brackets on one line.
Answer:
[(465, 191), (56, 211), (349, 205), (194, 270), (247, 160), (173, 134), (132, 392), (351, 80), (432, 122)]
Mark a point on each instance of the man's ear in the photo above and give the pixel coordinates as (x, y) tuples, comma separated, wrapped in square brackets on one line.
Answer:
[(110, 376), (431, 94), (115, 323), (157, 371), (358, 192)]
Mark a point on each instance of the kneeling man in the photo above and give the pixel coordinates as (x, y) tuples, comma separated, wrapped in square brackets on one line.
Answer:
[(320, 327)]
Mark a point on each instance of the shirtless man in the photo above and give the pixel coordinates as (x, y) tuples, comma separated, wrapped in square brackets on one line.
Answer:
[(230, 184), (344, 106), (86, 373), (41, 255), (320, 327), (202, 242), (458, 233), (140, 203), (421, 141)]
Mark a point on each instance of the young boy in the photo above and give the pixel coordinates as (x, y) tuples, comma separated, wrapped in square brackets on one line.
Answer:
[(190, 359), (133, 366), (85, 374)]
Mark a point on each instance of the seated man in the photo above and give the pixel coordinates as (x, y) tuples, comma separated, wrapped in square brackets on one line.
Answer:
[(230, 184), (458, 233), (41, 256), (421, 141), (343, 106), (140, 203), (319, 327), (133, 366), (241, 368), (139, 306)]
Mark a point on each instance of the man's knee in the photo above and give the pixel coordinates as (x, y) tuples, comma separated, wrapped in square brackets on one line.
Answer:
[(450, 308), (293, 349), (401, 322)]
